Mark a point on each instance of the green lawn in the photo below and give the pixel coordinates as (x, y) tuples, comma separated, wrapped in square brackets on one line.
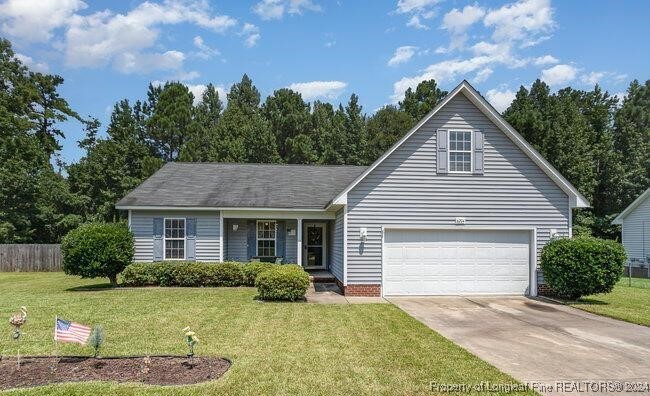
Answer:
[(625, 302), (276, 348)]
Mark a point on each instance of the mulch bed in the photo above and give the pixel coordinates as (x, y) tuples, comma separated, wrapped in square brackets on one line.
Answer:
[(154, 370)]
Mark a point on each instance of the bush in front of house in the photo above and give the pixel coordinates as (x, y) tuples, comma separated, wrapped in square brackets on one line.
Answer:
[(95, 250), (252, 270), (144, 274), (184, 274), (582, 266), (283, 282), (225, 274)]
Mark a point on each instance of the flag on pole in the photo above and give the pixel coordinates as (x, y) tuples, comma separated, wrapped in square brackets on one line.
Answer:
[(66, 331)]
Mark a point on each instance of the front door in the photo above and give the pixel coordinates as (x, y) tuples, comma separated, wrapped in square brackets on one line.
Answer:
[(314, 243)]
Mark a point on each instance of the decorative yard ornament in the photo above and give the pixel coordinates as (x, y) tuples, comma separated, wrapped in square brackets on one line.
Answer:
[(17, 320), (190, 339)]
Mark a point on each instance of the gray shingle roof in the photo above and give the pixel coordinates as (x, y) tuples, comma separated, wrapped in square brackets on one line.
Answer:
[(242, 185)]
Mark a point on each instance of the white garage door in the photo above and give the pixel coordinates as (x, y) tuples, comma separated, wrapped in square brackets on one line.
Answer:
[(450, 262)]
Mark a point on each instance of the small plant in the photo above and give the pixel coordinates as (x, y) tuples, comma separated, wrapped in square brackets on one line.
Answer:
[(190, 339), (96, 339), (17, 320)]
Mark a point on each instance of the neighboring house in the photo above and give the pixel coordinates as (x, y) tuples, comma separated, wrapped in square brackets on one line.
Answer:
[(460, 205), (635, 230)]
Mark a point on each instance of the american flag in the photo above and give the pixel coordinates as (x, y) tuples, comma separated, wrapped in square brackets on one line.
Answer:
[(66, 331)]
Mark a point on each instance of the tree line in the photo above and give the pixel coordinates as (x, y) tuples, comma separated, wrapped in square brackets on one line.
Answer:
[(599, 143)]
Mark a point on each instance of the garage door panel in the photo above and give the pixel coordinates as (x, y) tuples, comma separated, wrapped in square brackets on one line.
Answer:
[(448, 262)]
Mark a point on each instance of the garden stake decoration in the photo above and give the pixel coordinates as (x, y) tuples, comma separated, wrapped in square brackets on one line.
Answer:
[(190, 340), (17, 320)]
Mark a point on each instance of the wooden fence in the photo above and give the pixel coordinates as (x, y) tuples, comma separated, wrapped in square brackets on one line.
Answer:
[(30, 257)]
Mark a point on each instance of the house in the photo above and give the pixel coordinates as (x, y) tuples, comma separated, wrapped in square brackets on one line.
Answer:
[(460, 205), (635, 230)]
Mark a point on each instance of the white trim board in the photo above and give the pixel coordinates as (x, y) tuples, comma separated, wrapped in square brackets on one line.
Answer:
[(619, 219), (576, 199), (216, 208)]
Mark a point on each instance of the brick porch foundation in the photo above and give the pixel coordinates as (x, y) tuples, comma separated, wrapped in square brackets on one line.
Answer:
[(371, 290), (543, 290)]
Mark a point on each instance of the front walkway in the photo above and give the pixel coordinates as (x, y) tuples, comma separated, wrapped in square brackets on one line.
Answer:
[(329, 293), (536, 341)]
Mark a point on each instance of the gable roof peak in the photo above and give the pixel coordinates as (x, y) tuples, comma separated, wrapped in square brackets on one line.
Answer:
[(637, 202), (576, 198)]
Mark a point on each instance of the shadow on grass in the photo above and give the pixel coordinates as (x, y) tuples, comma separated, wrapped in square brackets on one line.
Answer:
[(96, 287), (588, 301)]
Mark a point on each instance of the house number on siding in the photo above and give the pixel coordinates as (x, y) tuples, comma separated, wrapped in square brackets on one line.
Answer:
[(460, 220)]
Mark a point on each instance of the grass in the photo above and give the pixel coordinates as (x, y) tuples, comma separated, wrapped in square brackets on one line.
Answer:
[(625, 302), (276, 348)]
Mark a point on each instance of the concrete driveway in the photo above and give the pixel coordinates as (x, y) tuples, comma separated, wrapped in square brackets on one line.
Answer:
[(536, 341)]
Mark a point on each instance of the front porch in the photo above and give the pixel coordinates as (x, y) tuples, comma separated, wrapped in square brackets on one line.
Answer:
[(274, 237)]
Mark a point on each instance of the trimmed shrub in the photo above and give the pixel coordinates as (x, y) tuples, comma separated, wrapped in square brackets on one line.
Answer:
[(143, 274), (96, 250), (184, 274), (225, 274), (284, 282), (251, 270), (582, 266), (187, 274)]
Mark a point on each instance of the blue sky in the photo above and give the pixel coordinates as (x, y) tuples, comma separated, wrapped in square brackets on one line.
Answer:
[(327, 50)]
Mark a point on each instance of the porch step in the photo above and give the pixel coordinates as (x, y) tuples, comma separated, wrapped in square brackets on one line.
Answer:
[(321, 277)]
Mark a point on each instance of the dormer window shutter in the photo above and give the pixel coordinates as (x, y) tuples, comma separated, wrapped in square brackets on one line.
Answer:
[(478, 153), (441, 151)]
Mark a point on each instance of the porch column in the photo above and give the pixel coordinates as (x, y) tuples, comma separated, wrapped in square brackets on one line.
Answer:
[(299, 241)]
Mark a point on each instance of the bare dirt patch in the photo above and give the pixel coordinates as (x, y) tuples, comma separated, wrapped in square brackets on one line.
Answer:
[(154, 370)]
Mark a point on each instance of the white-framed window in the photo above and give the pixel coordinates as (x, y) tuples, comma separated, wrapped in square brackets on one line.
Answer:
[(174, 239), (460, 151), (266, 238)]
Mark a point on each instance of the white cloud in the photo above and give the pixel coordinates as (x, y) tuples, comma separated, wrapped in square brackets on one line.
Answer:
[(592, 78), (414, 22), (146, 62), (545, 60), (418, 9), (122, 40), (442, 72), (252, 34), (620, 96), (520, 20), (402, 55), (275, 9), (187, 76), (205, 51), (482, 75), (33, 65), (500, 100), (34, 20), (406, 6), (559, 74), (319, 89), (457, 21)]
